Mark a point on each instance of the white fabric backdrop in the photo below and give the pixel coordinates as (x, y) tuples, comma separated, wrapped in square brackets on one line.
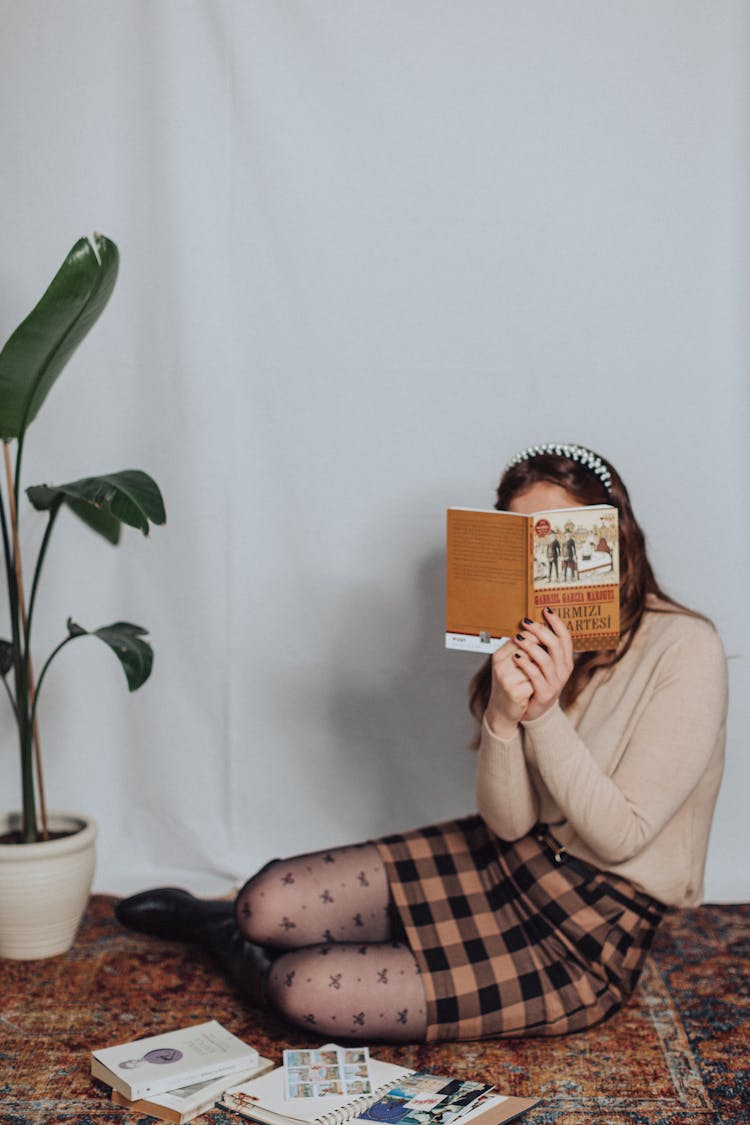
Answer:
[(368, 251)]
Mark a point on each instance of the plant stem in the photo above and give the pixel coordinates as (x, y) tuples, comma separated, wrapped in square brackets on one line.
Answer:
[(27, 671), (47, 663), (6, 685), (28, 668), (15, 490), (21, 698), (37, 572), (10, 575)]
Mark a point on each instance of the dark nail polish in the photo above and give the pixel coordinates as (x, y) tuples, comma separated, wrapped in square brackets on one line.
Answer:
[(527, 621), (517, 655), (520, 637), (548, 609)]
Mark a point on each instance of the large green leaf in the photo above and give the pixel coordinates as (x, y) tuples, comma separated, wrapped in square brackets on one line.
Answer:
[(130, 497), (99, 520), (126, 641), (43, 343)]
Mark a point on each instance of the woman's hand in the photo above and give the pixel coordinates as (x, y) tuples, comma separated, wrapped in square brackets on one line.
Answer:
[(511, 691), (528, 674), (544, 653)]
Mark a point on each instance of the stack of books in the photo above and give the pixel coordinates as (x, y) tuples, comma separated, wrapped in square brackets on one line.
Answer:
[(180, 1074)]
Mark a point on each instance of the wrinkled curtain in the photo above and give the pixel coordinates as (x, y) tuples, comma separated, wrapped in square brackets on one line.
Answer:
[(369, 250)]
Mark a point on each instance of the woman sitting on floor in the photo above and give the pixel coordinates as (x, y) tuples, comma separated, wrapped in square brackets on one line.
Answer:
[(597, 776)]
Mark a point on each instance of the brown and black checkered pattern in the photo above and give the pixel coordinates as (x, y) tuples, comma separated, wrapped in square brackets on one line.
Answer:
[(508, 941)]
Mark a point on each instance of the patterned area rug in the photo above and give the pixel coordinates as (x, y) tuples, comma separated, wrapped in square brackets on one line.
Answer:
[(676, 1055)]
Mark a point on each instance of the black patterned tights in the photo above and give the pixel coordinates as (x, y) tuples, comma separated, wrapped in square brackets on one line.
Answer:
[(339, 970)]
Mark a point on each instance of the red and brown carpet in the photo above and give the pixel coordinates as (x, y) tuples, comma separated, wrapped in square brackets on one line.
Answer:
[(678, 1054)]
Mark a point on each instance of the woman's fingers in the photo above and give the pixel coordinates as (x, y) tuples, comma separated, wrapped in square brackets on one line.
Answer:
[(549, 645), (544, 653), (545, 688), (530, 672), (561, 631), (502, 654), (507, 677), (511, 691)]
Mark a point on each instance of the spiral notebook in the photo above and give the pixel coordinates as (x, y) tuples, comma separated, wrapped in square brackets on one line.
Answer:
[(264, 1100)]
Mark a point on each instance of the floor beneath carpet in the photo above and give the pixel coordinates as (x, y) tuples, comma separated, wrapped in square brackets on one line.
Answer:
[(676, 1055)]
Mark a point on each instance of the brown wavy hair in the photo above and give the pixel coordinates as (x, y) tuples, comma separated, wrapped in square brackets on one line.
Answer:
[(637, 578)]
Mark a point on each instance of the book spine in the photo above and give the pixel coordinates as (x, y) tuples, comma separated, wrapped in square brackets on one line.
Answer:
[(186, 1078), (152, 1109), (530, 607)]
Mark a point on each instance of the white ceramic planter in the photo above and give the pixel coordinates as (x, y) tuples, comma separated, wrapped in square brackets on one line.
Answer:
[(44, 888)]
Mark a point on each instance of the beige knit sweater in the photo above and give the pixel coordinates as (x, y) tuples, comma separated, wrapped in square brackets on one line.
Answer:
[(627, 779)]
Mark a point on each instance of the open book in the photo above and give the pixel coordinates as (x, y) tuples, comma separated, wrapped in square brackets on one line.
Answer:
[(399, 1096), (504, 566)]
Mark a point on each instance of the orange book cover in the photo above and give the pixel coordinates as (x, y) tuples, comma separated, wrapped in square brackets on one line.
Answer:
[(503, 566)]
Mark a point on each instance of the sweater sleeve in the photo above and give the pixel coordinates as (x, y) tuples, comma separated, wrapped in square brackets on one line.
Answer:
[(505, 796), (666, 755)]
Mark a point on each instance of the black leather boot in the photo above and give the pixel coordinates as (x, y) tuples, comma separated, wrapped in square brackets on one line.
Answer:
[(175, 914), (170, 912), (244, 964)]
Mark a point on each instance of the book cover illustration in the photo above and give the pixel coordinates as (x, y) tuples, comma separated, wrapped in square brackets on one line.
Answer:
[(425, 1099), (327, 1072), (504, 566), (575, 546), (172, 1060)]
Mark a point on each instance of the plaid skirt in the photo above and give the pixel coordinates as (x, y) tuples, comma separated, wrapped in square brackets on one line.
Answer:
[(514, 939)]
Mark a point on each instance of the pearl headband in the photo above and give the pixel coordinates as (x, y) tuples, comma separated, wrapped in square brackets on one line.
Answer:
[(577, 453)]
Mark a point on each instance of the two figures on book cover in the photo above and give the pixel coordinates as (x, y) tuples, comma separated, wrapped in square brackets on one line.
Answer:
[(586, 548)]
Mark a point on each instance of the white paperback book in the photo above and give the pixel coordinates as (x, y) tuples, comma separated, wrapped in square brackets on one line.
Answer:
[(182, 1105), (177, 1058)]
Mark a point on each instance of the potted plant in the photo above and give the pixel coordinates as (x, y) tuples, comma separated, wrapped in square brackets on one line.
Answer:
[(31, 839)]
